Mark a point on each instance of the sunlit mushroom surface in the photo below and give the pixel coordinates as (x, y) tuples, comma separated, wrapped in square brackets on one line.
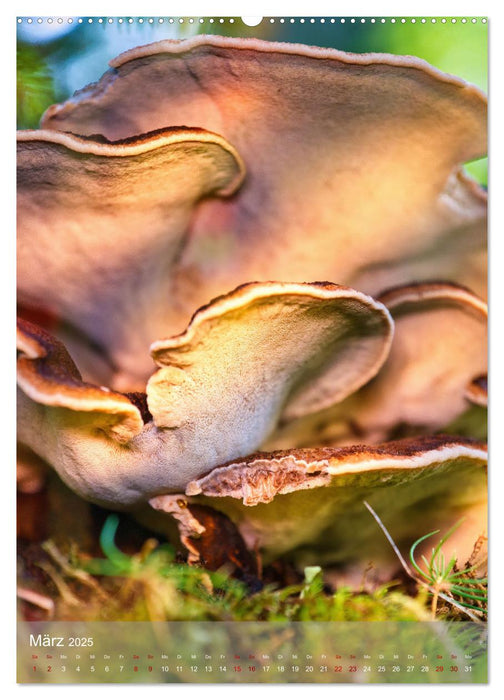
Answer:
[(263, 264)]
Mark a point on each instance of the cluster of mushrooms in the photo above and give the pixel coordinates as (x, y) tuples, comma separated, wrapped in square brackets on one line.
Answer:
[(258, 272)]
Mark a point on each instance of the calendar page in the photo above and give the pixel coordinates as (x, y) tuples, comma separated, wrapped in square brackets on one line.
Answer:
[(252, 350)]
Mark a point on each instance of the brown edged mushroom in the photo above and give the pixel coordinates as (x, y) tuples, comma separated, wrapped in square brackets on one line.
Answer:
[(319, 131), (220, 390), (440, 345), (312, 499)]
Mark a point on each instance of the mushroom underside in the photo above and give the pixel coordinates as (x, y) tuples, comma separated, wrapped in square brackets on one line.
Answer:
[(311, 502)]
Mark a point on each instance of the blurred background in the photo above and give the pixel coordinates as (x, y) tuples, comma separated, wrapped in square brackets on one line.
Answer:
[(58, 55)]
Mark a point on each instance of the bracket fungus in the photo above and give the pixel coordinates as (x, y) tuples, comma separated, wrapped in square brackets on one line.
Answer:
[(411, 480), (212, 399), (122, 211), (197, 167), (435, 367), (317, 131)]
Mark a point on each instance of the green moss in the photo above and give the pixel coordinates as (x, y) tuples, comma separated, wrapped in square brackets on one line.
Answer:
[(153, 585)]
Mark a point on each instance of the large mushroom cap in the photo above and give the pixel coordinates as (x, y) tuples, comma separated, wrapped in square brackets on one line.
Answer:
[(313, 108), (222, 385), (313, 498), (262, 342), (360, 153), (101, 226)]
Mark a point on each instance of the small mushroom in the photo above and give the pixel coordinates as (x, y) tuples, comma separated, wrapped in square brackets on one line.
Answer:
[(320, 132), (312, 499), (210, 537), (214, 397), (440, 345)]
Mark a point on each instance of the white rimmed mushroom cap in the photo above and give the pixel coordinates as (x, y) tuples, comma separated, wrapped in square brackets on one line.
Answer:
[(313, 498), (101, 226), (324, 128), (220, 389)]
